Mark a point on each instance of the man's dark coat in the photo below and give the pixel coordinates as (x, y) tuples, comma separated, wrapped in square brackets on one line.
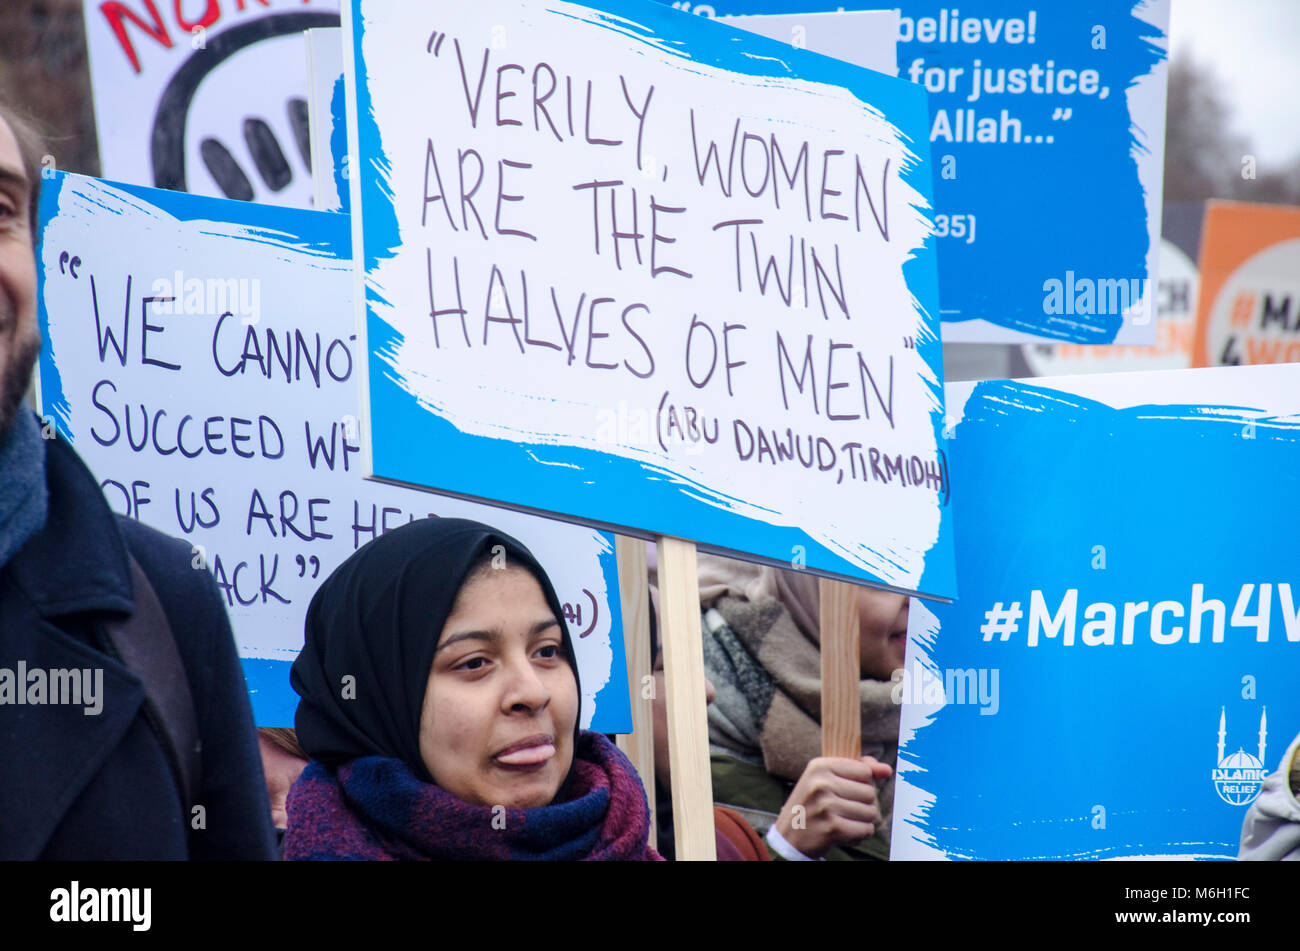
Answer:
[(74, 786)]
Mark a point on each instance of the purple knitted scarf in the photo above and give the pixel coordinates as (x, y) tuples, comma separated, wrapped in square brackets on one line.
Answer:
[(375, 809)]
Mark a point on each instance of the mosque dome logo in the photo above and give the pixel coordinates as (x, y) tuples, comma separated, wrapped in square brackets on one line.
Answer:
[(1239, 775)]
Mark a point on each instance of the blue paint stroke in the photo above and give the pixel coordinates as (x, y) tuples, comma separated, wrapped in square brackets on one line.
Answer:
[(274, 701), (1175, 495), (53, 398), (1076, 204), (382, 235), (296, 229), (339, 145), (613, 701)]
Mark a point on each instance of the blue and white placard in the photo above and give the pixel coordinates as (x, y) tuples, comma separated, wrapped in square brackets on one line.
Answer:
[(1119, 673), (201, 357), (638, 269)]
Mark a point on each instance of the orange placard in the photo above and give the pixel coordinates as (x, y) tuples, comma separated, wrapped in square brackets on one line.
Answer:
[(1249, 308)]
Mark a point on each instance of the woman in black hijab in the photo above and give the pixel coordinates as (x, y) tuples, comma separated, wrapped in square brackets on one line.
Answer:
[(440, 707)]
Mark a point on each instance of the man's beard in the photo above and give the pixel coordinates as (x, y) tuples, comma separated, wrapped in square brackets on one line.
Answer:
[(15, 378)]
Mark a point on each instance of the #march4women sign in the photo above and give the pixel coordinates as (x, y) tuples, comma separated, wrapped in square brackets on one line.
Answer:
[(1118, 675)]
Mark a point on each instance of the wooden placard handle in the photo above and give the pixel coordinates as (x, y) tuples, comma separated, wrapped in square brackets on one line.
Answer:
[(634, 598), (688, 729), (841, 697)]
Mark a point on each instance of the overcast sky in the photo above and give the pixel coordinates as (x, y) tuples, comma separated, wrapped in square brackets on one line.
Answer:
[(1254, 49)]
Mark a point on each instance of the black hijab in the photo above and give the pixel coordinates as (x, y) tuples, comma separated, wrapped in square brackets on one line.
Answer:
[(377, 619)]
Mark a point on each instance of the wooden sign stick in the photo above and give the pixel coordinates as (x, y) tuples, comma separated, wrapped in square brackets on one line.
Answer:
[(841, 698), (634, 597), (688, 729)]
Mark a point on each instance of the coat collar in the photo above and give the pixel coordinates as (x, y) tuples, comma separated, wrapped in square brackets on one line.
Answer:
[(78, 561)]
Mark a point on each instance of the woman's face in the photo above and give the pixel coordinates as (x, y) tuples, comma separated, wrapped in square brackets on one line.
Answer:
[(882, 632), (500, 708)]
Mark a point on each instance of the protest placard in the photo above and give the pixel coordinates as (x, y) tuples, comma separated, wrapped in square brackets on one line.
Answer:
[(1047, 136), (1249, 308), (201, 356), (644, 270), (1119, 673), (210, 99)]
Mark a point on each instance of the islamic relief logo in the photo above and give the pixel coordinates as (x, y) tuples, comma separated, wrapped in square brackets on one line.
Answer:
[(1239, 775)]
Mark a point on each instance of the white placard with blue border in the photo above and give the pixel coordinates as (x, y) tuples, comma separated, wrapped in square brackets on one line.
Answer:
[(1120, 671), (200, 355), (639, 269), (1047, 135)]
